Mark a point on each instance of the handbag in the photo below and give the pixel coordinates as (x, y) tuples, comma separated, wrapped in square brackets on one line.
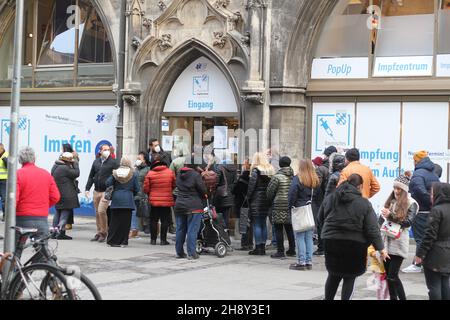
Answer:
[(391, 229), (109, 192), (222, 191), (303, 217), (143, 208), (244, 221)]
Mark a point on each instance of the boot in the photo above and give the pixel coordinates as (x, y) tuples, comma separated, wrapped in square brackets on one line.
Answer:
[(62, 236), (255, 251), (262, 250)]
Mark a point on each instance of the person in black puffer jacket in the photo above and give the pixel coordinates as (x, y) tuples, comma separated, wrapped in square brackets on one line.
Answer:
[(188, 210), (226, 178), (337, 165), (261, 173), (240, 201), (434, 250), (65, 172), (278, 193), (420, 188), (349, 226)]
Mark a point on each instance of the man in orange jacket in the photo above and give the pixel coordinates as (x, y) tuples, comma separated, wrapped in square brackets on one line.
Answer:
[(370, 183)]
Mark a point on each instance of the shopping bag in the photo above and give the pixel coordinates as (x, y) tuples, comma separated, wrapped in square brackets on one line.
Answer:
[(391, 229), (302, 218)]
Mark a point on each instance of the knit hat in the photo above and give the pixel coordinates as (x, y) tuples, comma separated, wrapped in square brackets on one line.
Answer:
[(284, 162), (402, 182), (419, 155), (318, 161), (329, 151)]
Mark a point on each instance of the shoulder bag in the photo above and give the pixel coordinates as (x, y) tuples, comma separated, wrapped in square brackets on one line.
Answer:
[(222, 191), (302, 217)]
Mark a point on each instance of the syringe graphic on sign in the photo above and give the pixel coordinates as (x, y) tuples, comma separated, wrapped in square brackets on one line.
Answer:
[(327, 128)]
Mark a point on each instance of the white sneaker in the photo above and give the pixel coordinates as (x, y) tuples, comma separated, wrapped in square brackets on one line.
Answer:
[(412, 269)]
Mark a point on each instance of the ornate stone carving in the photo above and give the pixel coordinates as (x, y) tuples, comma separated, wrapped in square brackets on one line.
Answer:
[(245, 39), (221, 3), (136, 42), (256, 4), (220, 39), (165, 42), (255, 98), (131, 99), (162, 6), (147, 23)]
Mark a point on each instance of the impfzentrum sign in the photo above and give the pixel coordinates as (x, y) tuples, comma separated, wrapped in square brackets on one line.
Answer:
[(403, 66)]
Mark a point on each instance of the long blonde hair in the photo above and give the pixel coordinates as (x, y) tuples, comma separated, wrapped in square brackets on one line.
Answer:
[(307, 175), (260, 161)]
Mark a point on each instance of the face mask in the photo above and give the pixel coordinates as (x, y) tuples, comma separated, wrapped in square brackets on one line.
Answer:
[(157, 149), (106, 154), (138, 163)]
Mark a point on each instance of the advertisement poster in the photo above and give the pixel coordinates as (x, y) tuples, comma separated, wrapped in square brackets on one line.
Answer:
[(380, 151), (425, 127), (233, 145), (333, 125), (220, 137), (46, 129), (167, 143)]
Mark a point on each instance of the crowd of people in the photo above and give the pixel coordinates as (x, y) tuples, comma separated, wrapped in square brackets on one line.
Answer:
[(157, 195)]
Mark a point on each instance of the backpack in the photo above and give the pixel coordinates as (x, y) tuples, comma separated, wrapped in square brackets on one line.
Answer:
[(209, 178)]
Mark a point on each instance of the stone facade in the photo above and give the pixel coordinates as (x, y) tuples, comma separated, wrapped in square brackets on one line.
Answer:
[(264, 48)]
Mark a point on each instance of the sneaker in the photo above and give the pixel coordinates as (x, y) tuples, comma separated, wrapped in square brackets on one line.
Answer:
[(95, 238), (271, 247), (412, 269), (297, 266), (182, 256), (278, 255), (319, 253), (194, 257), (102, 239)]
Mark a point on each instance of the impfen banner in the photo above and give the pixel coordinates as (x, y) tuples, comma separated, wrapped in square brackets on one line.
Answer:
[(46, 129)]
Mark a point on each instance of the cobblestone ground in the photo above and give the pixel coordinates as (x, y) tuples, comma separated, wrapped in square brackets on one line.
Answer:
[(142, 271)]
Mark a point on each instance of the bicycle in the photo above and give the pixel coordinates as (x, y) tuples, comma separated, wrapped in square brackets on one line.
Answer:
[(82, 287), (38, 281)]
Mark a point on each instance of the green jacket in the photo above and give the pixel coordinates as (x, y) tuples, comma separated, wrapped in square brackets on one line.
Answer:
[(277, 193)]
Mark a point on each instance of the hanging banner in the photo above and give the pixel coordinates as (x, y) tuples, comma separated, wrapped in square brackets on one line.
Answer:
[(46, 129), (333, 125), (378, 140)]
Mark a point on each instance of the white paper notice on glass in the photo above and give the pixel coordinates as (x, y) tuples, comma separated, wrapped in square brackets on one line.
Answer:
[(167, 143), (220, 137), (165, 125), (233, 145)]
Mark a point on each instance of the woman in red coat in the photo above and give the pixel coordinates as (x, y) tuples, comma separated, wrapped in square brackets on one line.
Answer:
[(159, 184)]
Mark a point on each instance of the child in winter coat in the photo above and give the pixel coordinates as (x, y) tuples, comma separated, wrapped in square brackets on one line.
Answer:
[(379, 273)]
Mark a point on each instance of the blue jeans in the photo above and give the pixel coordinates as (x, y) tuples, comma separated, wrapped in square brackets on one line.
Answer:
[(418, 226), (134, 221), (3, 193), (260, 230), (187, 224), (304, 242)]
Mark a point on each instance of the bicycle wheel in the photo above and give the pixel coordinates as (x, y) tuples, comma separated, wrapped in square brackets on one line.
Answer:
[(39, 282), (83, 288)]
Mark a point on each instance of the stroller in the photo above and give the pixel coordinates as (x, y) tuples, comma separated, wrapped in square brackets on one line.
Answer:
[(213, 234)]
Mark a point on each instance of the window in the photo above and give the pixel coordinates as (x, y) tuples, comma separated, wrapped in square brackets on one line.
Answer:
[(66, 44)]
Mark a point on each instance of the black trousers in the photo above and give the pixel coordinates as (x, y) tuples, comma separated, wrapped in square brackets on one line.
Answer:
[(438, 284), (332, 285), (156, 214), (395, 286), (280, 236), (119, 227), (226, 212)]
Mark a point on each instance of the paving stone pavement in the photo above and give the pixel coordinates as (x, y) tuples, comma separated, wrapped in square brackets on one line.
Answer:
[(141, 271)]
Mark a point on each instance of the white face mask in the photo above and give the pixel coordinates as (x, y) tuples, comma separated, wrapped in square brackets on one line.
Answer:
[(157, 149), (106, 154), (138, 163)]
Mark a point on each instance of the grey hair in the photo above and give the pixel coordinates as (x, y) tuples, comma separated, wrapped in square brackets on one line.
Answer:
[(27, 155)]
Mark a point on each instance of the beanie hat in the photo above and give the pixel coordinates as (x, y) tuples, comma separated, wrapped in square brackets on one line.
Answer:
[(284, 162), (402, 182), (318, 161), (352, 155), (419, 155), (330, 150)]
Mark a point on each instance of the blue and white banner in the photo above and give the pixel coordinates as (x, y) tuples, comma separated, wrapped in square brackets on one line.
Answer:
[(403, 66), (340, 68), (443, 65), (46, 129)]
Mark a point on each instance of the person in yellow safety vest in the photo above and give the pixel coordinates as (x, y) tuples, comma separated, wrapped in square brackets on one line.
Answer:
[(3, 178)]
